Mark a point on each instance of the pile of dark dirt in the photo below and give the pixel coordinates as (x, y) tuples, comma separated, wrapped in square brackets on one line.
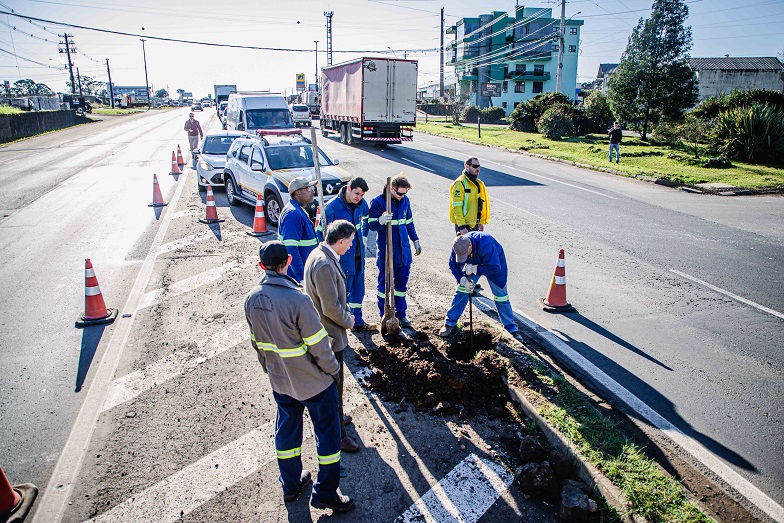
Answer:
[(446, 377)]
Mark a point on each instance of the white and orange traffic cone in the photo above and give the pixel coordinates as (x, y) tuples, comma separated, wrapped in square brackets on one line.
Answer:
[(212, 211), (556, 294), (259, 219), (318, 219), (157, 198), (16, 501), (95, 311), (180, 160), (175, 166)]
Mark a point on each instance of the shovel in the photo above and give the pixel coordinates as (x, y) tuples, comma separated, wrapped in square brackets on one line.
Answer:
[(471, 318), (389, 323)]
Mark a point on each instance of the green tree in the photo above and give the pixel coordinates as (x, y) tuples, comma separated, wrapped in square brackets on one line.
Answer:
[(29, 88), (90, 86), (161, 93), (654, 78), (597, 109)]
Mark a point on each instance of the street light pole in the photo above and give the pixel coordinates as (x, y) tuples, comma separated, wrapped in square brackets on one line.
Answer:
[(146, 80), (317, 75)]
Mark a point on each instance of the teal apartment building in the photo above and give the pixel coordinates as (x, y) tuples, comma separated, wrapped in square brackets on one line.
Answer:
[(513, 57)]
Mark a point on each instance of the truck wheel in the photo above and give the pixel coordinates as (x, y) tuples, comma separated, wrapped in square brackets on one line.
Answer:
[(231, 191), (324, 132), (272, 209), (342, 133)]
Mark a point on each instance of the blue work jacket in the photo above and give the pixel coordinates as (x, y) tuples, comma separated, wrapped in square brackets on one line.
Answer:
[(487, 255), (339, 209), (298, 235), (403, 230)]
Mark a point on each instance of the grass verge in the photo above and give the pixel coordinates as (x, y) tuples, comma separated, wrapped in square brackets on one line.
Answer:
[(115, 111), (638, 158), (649, 491), (7, 109)]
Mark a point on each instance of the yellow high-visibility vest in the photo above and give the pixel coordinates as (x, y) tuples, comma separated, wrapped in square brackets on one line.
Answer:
[(464, 202)]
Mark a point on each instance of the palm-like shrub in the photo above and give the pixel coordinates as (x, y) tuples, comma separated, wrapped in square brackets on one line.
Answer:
[(753, 133)]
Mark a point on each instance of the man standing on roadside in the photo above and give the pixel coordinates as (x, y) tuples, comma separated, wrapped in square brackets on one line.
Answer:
[(194, 131), (350, 205), (325, 283), (615, 142), (292, 347), (469, 204), (295, 229)]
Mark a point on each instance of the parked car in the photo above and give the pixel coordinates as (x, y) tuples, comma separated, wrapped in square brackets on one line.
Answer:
[(197, 107), (300, 114), (210, 158), (266, 165), (206, 104)]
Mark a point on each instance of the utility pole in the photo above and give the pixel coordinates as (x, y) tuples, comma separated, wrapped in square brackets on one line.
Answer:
[(146, 81), (68, 51), (79, 79), (441, 73), (111, 87), (329, 14), (561, 41), (317, 75)]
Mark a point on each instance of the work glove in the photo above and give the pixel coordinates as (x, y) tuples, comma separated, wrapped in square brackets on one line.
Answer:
[(469, 269), (417, 248), (467, 284), (385, 218)]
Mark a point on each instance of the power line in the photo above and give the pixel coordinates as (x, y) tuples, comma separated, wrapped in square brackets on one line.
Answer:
[(29, 60)]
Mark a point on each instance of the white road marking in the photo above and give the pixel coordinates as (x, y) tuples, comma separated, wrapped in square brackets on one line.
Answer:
[(731, 295), (137, 382), (699, 452), (186, 285), (417, 164), (187, 212), (53, 501), (182, 242), (463, 495)]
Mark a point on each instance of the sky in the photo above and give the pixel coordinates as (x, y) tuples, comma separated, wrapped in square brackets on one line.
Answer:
[(396, 28)]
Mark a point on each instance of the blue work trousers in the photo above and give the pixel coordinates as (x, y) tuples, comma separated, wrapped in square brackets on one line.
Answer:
[(355, 290), (400, 284), (323, 410), (500, 297)]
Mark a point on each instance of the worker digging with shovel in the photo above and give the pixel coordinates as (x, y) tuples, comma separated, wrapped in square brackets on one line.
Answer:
[(473, 255)]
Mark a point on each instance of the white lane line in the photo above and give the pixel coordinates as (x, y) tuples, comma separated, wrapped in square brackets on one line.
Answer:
[(186, 285), (526, 172), (463, 495), (139, 381), (699, 452), (53, 501), (731, 295), (417, 164)]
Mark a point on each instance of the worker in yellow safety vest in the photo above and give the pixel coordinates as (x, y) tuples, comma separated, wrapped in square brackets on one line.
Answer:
[(469, 204)]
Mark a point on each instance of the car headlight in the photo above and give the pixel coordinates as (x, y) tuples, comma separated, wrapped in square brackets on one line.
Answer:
[(205, 166)]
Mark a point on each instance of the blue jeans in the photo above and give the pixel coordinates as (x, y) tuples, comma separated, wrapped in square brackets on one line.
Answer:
[(617, 148), (323, 410), (502, 305)]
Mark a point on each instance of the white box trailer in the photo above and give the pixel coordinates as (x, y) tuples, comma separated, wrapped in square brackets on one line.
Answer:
[(369, 100)]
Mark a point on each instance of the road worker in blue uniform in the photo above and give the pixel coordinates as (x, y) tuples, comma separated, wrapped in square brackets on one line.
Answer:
[(473, 255), (403, 232), (350, 205), (293, 349), (295, 229)]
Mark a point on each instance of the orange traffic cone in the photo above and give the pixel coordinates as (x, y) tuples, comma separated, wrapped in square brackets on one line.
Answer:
[(212, 211), (157, 198), (95, 311), (16, 501), (259, 220), (175, 165), (180, 160), (556, 294)]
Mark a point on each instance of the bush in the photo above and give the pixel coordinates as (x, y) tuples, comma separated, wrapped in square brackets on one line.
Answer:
[(556, 122), (470, 113), (753, 134), (597, 109), (493, 114), (711, 107), (525, 115), (666, 133)]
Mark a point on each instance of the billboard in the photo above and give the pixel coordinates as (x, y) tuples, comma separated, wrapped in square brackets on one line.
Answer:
[(491, 89), (313, 87), (300, 81)]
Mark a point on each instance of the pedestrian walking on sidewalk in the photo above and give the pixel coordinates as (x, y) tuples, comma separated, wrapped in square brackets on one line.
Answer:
[(193, 127), (295, 229), (474, 255), (615, 142), (403, 232), (469, 204), (293, 349), (325, 283)]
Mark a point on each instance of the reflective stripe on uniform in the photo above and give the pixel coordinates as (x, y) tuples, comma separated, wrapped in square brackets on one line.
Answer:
[(283, 353), (465, 198), (460, 288), (380, 294), (300, 243), (401, 294), (312, 340), (329, 460), (288, 454), (355, 305), (501, 298)]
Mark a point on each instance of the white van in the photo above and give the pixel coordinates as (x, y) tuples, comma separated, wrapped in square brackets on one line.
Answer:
[(251, 112)]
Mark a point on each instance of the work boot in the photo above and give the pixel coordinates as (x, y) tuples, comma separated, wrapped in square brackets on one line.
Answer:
[(405, 323), (304, 482), (349, 445), (365, 327), (347, 419), (518, 337), (341, 504), (446, 330)]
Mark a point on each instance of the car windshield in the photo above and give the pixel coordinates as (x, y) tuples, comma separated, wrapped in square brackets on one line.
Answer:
[(294, 157), (217, 144), (269, 119)]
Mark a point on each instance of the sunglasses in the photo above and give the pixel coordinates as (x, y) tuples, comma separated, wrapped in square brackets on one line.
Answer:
[(474, 165), (398, 192)]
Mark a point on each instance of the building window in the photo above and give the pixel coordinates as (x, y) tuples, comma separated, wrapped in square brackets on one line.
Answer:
[(515, 105), (572, 30), (555, 47), (520, 69), (537, 87), (572, 48), (555, 28), (539, 70), (520, 87), (503, 105), (505, 87)]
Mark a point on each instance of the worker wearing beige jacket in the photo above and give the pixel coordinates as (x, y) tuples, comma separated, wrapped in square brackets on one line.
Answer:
[(325, 283)]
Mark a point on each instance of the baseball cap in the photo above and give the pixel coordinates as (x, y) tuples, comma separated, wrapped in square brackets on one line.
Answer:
[(461, 246), (298, 183), (273, 253)]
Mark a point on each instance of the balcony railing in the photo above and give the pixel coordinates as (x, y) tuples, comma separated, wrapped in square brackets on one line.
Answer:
[(528, 75)]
